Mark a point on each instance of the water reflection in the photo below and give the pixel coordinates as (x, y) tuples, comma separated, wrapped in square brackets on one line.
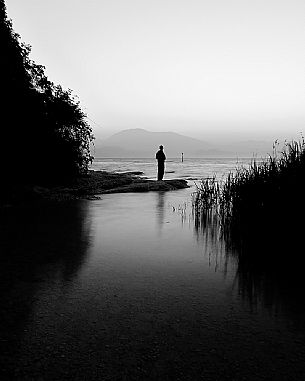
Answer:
[(160, 212), (129, 305), (207, 231), (42, 250), (270, 273), (269, 264)]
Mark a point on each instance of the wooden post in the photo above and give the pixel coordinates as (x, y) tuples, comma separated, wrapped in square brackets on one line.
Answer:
[(182, 157)]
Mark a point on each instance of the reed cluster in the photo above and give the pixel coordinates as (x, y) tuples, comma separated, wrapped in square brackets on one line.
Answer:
[(267, 192), (255, 215)]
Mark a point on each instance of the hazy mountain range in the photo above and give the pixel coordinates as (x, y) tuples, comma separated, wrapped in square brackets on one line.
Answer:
[(140, 143)]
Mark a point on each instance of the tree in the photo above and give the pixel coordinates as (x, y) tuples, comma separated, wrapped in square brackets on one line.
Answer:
[(45, 134)]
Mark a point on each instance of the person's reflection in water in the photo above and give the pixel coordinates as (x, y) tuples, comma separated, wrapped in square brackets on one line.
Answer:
[(160, 212)]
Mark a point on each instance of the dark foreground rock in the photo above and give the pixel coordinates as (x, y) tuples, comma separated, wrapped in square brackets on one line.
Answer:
[(90, 186)]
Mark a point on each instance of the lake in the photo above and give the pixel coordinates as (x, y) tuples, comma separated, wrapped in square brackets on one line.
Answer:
[(130, 288), (174, 168)]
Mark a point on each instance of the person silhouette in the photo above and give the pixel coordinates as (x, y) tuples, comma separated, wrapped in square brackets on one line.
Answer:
[(160, 156)]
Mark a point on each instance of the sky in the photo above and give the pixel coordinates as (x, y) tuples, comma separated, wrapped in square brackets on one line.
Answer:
[(210, 69)]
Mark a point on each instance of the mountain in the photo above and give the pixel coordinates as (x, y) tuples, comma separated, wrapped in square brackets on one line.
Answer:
[(139, 143), (142, 143)]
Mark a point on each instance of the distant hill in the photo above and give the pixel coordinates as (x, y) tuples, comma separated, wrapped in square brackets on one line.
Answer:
[(142, 143)]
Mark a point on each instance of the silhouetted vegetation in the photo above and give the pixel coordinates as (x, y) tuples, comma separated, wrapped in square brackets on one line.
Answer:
[(261, 203), (45, 135), (257, 213)]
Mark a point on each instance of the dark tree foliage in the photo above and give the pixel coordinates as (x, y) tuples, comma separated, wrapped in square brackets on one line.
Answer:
[(44, 133)]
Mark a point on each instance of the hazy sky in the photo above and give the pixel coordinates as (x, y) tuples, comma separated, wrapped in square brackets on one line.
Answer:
[(205, 68)]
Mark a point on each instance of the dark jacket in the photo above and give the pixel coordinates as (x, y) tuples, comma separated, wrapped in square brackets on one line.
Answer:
[(160, 156)]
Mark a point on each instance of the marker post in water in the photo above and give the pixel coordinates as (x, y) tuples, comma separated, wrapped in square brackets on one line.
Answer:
[(182, 157)]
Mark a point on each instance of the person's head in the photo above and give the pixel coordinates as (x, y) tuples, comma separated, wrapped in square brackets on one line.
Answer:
[(161, 148)]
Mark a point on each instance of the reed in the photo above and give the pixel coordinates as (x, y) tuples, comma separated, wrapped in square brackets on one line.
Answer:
[(269, 191), (256, 216)]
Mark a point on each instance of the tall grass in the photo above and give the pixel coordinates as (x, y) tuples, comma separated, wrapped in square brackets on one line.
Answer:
[(269, 192), (257, 214)]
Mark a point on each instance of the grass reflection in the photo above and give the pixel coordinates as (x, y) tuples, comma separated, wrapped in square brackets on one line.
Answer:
[(269, 260)]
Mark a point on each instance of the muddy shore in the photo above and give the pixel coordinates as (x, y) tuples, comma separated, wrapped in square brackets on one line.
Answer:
[(91, 186)]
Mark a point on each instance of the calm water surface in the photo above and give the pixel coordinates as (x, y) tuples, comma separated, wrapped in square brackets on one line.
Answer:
[(174, 168), (126, 288)]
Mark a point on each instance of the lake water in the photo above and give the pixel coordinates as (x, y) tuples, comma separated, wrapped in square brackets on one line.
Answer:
[(174, 168), (129, 288)]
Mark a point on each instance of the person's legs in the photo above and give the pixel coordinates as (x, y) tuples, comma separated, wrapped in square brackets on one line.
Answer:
[(160, 171)]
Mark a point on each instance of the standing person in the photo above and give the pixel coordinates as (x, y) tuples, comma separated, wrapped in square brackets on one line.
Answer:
[(160, 156)]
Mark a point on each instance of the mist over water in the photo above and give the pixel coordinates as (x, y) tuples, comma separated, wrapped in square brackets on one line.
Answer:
[(129, 286)]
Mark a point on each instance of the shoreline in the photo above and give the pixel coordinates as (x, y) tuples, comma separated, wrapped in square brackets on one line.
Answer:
[(90, 187)]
